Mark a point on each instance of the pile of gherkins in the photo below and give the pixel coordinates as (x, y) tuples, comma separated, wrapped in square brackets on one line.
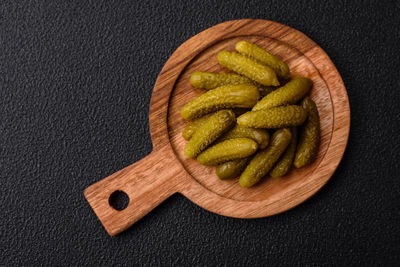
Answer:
[(229, 124)]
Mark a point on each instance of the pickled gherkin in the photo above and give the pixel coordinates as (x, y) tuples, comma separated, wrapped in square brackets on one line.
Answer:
[(250, 68), (288, 94), (278, 117), (307, 149), (227, 96), (285, 161), (228, 150), (193, 126), (231, 169), (207, 133), (211, 80), (261, 136), (265, 159), (254, 51)]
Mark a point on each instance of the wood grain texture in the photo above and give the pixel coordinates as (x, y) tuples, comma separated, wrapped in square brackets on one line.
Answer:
[(166, 171)]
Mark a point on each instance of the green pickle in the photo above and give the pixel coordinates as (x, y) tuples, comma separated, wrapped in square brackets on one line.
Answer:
[(228, 150), (277, 117), (231, 169), (261, 136), (254, 51), (211, 80), (193, 126), (288, 94), (207, 133), (307, 149), (224, 97), (247, 67), (265, 159), (285, 161)]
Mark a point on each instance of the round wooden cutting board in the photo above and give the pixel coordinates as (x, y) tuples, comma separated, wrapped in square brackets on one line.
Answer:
[(166, 171)]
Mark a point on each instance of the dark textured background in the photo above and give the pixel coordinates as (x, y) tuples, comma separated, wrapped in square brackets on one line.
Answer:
[(75, 84)]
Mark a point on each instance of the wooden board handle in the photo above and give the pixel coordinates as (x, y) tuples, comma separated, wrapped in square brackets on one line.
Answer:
[(147, 183)]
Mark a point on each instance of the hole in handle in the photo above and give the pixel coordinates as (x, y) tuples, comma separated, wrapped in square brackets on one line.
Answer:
[(119, 200)]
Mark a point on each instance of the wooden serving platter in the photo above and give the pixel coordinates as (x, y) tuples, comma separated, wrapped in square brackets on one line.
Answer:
[(166, 171)]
